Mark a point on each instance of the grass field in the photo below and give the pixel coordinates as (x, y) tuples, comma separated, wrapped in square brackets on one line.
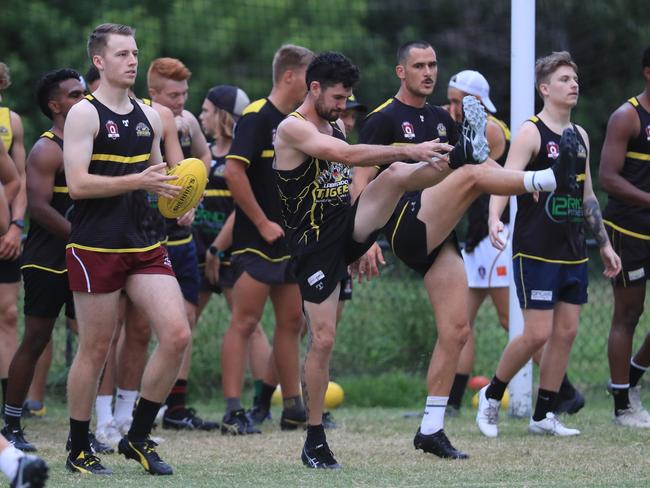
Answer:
[(375, 447)]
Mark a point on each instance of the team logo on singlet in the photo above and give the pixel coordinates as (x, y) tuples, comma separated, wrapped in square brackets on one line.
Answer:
[(3, 130), (647, 132), (407, 129), (442, 130), (552, 150), (142, 130), (112, 130), (333, 184), (218, 170), (582, 151)]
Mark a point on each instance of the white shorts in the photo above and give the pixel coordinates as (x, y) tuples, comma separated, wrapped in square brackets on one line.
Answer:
[(486, 266)]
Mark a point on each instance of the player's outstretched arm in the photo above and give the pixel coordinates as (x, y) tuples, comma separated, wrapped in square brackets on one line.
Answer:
[(81, 126), (623, 126), (303, 136)]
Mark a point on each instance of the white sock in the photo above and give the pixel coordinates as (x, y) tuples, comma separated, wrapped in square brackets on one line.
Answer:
[(542, 180), (9, 461), (434, 415), (103, 409), (124, 402)]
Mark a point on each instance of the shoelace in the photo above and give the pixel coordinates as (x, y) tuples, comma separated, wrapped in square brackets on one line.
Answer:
[(90, 460), (323, 454), (150, 448), (492, 412)]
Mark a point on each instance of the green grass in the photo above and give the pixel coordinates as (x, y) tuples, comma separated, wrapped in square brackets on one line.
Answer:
[(375, 447)]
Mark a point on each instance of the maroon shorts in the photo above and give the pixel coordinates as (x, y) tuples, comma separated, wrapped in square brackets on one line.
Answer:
[(104, 272)]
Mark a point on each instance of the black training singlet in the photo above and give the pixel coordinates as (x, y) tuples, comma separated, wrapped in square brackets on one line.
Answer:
[(552, 229), (123, 223), (253, 145), (395, 123), (477, 213), (42, 249), (216, 206), (631, 219), (315, 199)]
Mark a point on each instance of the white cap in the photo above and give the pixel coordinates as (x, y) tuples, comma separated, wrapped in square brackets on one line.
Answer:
[(473, 83)]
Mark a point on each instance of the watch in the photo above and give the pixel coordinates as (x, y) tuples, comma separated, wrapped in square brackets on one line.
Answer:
[(20, 223), (214, 250)]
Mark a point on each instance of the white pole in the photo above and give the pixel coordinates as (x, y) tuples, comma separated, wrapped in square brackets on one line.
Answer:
[(522, 106)]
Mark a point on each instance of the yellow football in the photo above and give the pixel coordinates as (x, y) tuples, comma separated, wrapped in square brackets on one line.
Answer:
[(192, 177), (333, 396)]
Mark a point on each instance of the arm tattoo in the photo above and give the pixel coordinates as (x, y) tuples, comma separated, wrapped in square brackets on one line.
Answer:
[(594, 220)]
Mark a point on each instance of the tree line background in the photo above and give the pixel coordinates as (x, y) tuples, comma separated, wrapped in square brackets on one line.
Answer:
[(388, 326)]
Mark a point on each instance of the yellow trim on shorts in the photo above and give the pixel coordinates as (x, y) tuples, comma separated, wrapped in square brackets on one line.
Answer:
[(521, 277), (43, 268), (179, 242), (555, 261), (105, 249), (637, 155), (60, 189), (261, 254), (217, 193), (399, 219), (114, 158), (627, 232), (239, 158)]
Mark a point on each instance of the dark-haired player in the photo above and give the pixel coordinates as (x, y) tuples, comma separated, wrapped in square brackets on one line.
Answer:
[(625, 176), (43, 260), (327, 232), (112, 159), (259, 254), (549, 249)]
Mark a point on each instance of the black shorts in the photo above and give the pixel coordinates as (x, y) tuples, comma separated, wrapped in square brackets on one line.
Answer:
[(186, 268), (46, 293), (10, 271), (261, 269), (345, 293), (407, 235), (635, 257), (321, 270)]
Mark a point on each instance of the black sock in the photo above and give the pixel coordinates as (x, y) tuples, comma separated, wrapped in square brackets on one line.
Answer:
[(635, 374), (12, 416), (177, 397), (263, 399), (143, 418), (621, 399), (496, 389), (4, 393), (458, 390), (546, 401), (315, 435), (566, 386), (79, 440)]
